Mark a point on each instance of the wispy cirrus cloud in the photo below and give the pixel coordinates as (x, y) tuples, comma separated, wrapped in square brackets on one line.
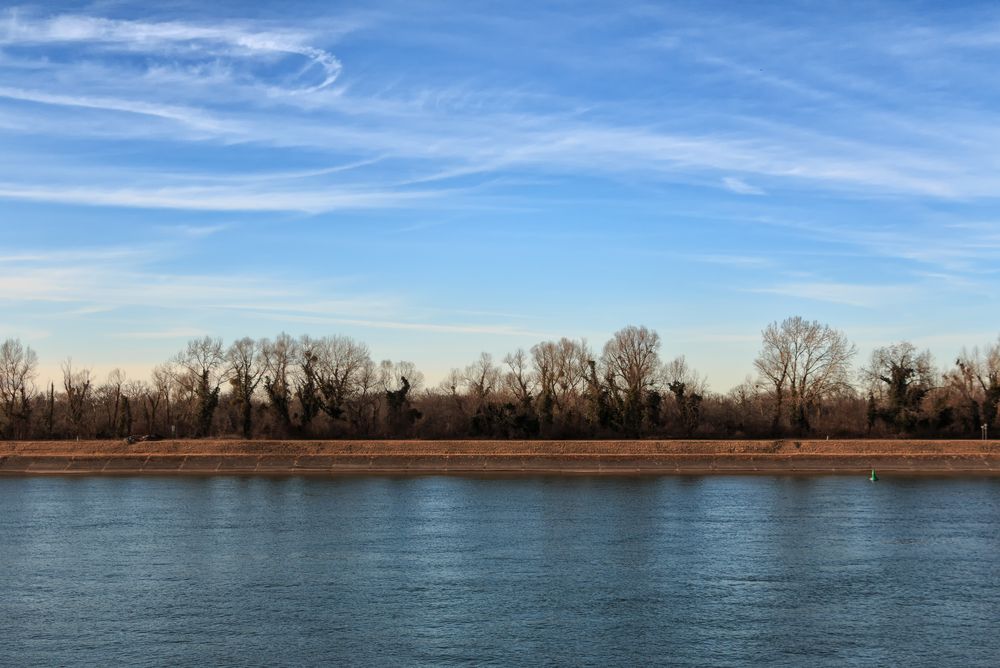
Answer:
[(177, 40), (741, 187), (97, 283), (186, 115), (170, 333), (731, 260), (413, 326), (950, 247), (220, 198), (849, 294), (196, 231), (278, 84)]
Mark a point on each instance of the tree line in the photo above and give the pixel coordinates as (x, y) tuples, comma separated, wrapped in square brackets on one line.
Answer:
[(804, 384)]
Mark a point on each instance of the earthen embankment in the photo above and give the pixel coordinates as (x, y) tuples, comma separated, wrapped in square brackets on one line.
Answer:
[(239, 457)]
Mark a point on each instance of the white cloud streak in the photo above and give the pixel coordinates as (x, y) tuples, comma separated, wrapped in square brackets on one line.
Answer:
[(96, 282), (172, 333), (168, 37), (218, 83), (740, 187), (219, 198), (185, 115), (849, 294)]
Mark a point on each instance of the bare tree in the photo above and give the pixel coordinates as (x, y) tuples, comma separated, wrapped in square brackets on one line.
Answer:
[(18, 366), (630, 362), (773, 362), (308, 380), (201, 367), (50, 411), (688, 389), (518, 379), (161, 393), (279, 358), (135, 392), (77, 385), (978, 374), (392, 374), (678, 370), (343, 370), (746, 397), (899, 377), (245, 367), (545, 364), (805, 360), (482, 378), (631, 358), (108, 397), (399, 382), (964, 392), (451, 385), (572, 360), (561, 369), (364, 400)]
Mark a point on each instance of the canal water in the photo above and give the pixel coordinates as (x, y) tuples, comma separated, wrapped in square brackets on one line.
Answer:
[(720, 571)]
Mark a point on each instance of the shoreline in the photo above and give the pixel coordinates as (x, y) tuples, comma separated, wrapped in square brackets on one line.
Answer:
[(270, 458)]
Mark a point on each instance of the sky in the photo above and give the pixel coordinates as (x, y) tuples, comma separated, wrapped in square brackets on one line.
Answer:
[(440, 178)]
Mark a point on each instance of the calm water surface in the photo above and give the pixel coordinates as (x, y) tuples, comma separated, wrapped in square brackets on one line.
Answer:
[(448, 570)]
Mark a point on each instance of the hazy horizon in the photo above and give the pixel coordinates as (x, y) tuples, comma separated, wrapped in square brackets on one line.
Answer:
[(437, 181)]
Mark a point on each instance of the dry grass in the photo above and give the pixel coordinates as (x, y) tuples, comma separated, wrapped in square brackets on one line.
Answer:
[(734, 449)]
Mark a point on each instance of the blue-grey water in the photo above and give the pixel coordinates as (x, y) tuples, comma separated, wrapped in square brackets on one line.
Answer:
[(798, 571)]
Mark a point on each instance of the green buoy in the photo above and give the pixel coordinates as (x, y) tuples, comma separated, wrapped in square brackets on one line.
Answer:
[(873, 477)]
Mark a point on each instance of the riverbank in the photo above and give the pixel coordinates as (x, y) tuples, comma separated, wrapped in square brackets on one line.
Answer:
[(237, 457)]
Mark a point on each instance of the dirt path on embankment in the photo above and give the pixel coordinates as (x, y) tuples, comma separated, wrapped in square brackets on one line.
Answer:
[(238, 457)]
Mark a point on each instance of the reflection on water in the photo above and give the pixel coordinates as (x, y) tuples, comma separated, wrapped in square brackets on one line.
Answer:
[(450, 570)]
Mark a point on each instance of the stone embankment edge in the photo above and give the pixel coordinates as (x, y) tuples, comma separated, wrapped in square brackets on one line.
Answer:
[(562, 464)]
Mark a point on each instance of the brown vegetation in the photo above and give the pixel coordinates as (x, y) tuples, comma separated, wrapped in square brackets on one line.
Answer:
[(868, 447), (330, 388), (207, 456)]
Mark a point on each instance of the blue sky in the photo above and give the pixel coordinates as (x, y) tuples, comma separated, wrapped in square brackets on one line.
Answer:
[(441, 178)]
